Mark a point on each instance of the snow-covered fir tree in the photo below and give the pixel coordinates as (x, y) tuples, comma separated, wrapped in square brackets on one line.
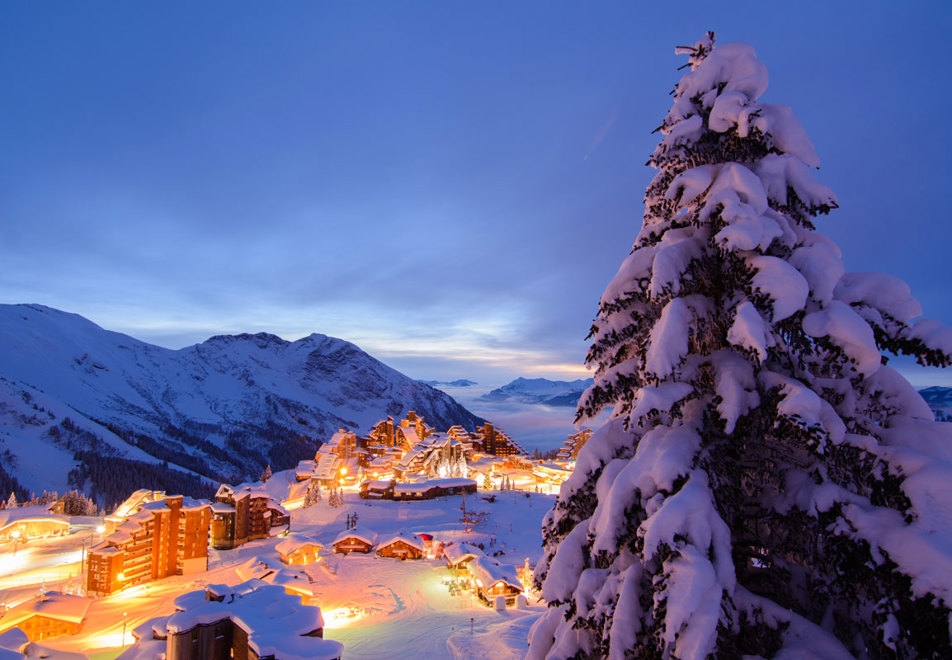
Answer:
[(766, 482)]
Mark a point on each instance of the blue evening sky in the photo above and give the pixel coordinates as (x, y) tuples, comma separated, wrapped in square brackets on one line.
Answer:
[(450, 185)]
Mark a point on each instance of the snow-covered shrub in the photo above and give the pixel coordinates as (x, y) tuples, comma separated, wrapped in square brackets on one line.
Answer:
[(767, 485)]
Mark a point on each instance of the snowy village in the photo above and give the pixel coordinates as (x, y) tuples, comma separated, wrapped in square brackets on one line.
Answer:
[(302, 564), (748, 455)]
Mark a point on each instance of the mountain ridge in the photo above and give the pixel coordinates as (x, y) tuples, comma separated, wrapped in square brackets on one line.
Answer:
[(218, 410)]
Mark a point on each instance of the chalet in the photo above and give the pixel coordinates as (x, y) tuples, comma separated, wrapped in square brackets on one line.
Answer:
[(298, 550), (459, 555), (251, 620), (402, 546), (51, 615), (377, 490), (428, 490), (358, 539), (493, 579)]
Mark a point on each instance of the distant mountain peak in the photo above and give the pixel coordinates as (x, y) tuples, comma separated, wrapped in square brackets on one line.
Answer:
[(540, 391), (461, 382)]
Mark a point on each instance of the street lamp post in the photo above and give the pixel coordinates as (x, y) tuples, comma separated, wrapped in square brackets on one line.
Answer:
[(16, 537), (123, 642)]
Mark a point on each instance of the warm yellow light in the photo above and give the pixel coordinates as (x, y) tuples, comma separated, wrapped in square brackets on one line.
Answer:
[(120, 576), (343, 470), (15, 533), (342, 616), (100, 529)]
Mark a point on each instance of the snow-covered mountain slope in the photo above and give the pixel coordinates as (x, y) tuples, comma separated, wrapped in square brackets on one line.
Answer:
[(541, 390), (940, 400), (462, 382), (222, 409)]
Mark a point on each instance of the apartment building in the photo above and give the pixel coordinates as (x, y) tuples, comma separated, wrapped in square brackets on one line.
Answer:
[(163, 537)]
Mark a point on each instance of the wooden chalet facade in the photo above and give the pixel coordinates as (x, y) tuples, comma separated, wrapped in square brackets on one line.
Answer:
[(355, 540), (402, 547), (459, 555), (295, 550)]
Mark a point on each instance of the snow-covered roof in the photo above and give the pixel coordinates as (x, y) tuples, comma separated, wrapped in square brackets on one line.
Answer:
[(257, 568), (53, 605), (141, 517), (409, 457), (460, 552), (430, 484), (158, 505), (359, 533), (420, 487), (190, 503), (276, 622), (410, 434), (293, 542), (221, 507), (276, 506), (327, 466), (119, 537), (409, 539), (375, 484), (29, 513), (132, 502), (489, 571), (555, 467), (151, 629), (453, 482), (105, 549), (294, 581), (11, 642)]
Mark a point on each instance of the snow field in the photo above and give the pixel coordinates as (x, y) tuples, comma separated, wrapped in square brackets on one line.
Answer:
[(377, 607)]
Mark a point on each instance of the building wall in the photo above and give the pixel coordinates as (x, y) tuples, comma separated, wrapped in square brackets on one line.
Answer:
[(303, 555), (400, 550), (34, 528), (223, 530), (39, 627), (352, 545), (193, 529), (171, 542), (102, 571)]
